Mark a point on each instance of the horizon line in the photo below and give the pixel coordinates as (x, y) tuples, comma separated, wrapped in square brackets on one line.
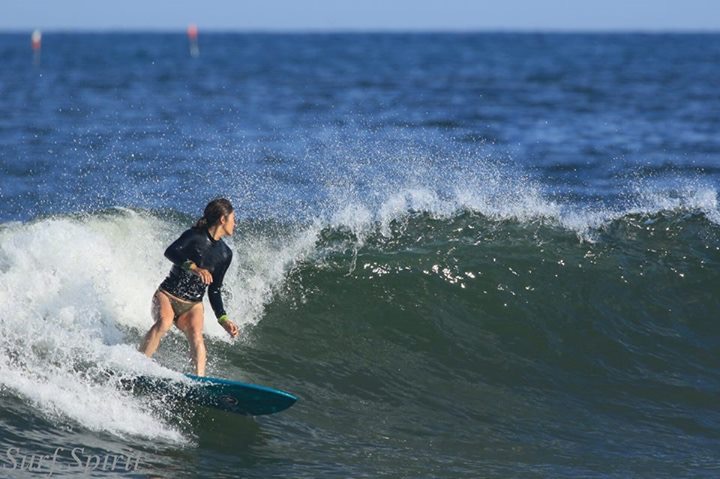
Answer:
[(338, 31)]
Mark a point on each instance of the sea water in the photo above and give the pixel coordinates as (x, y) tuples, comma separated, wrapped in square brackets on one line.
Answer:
[(469, 255)]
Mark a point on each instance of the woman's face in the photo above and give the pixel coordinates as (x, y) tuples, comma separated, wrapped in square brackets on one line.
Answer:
[(229, 223)]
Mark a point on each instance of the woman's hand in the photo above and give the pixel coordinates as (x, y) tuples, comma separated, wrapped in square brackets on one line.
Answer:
[(204, 274), (230, 327)]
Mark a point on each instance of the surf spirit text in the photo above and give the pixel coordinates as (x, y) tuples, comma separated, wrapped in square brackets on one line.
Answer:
[(67, 460)]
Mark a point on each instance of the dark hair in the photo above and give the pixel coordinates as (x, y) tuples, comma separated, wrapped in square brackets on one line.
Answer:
[(214, 210)]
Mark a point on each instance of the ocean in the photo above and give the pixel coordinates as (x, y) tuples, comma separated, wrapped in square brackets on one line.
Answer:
[(477, 255)]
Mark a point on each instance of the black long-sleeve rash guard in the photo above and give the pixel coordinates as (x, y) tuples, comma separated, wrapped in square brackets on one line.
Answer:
[(198, 246)]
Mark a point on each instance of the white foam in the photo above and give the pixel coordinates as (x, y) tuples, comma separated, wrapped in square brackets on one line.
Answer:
[(68, 286), (64, 395), (497, 195), (72, 287), (683, 197)]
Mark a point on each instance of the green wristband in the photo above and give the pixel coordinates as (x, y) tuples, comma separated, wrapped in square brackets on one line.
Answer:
[(187, 265), (223, 319)]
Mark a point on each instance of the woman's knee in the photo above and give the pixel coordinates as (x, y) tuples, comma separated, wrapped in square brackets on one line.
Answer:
[(163, 324), (197, 341), (199, 346), (194, 333)]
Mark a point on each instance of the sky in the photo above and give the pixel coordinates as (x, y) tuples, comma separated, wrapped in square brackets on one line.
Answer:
[(362, 15)]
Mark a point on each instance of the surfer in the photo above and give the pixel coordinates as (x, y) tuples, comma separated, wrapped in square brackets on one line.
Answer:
[(200, 259)]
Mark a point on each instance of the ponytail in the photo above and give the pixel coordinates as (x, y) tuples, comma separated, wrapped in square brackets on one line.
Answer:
[(214, 211)]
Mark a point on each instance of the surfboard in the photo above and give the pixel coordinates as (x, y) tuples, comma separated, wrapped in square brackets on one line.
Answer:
[(224, 394)]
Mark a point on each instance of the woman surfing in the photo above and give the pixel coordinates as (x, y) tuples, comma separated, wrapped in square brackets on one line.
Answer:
[(200, 259)]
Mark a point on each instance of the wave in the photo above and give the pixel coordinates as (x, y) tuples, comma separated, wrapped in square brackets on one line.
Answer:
[(469, 285), (441, 314)]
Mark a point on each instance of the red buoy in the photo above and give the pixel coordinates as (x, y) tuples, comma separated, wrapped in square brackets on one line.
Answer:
[(192, 33), (36, 40)]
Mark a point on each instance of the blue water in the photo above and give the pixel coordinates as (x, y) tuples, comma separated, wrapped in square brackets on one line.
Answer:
[(582, 114), (469, 255)]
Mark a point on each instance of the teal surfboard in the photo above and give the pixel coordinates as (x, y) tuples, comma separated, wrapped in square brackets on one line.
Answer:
[(224, 394)]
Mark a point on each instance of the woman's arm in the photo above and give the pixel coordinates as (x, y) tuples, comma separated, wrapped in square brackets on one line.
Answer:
[(178, 252), (214, 291), (216, 301)]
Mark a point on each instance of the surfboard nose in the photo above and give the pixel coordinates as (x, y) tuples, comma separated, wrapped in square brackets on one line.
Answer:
[(239, 397)]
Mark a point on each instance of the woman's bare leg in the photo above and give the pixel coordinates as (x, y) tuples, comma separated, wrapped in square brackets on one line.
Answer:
[(163, 315), (191, 323)]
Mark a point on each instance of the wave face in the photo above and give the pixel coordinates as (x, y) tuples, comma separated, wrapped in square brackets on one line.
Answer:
[(446, 332)]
